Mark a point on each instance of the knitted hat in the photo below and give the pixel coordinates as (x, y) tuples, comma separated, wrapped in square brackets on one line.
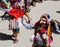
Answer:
[(46, 15)]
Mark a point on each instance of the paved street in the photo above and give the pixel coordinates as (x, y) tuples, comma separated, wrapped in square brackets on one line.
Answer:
[(49, 7)]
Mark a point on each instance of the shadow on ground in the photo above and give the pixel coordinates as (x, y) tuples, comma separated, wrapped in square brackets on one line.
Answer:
[(4, 36)]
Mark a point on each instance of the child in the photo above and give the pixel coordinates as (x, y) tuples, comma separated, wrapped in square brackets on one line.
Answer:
[(41, 31), (15, 13)]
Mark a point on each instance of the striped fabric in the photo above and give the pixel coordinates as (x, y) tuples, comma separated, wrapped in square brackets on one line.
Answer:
[(13, 24)]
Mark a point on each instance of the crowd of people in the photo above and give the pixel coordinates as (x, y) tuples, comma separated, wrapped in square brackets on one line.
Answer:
[(43, 28)]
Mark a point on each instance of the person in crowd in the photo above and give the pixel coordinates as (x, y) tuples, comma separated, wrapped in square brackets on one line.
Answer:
[(43, 33), (15, 13)]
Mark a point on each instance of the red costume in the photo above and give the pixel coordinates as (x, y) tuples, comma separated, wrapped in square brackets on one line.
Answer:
[(16, 13)]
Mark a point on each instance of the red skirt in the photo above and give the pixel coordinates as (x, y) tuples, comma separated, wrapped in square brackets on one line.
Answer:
[(16, 13)]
